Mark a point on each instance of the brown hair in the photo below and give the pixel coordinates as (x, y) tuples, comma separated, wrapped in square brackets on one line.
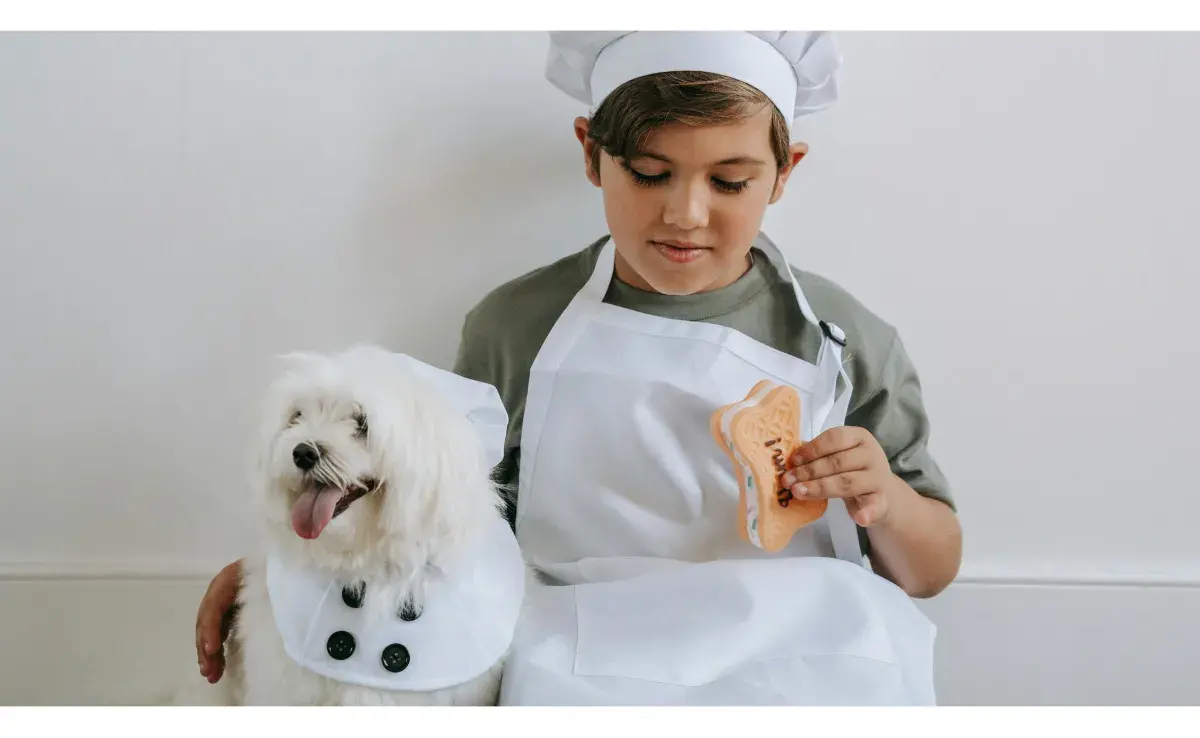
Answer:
[(627, 116)]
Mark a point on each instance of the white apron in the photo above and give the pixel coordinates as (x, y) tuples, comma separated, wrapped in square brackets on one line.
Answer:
[(626, 500)]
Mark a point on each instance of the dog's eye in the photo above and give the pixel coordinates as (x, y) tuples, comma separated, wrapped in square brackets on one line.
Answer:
[(295, 418), (360, 420)]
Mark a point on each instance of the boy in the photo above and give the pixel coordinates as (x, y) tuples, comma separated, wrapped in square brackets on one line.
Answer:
[(611, 360)]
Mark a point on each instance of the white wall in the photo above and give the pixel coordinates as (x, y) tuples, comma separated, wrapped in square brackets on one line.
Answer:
[(175, 209)]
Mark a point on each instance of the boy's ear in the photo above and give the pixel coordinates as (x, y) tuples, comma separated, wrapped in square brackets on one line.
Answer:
[(796, 152), (582, 126)]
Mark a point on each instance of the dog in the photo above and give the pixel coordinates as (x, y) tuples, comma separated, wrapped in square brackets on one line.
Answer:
[(389, 574)]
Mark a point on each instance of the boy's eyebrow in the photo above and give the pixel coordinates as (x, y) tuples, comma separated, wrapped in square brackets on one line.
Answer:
[(733, 161), (738, 160)]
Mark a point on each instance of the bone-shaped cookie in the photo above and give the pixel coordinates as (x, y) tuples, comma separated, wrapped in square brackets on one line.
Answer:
[(759, 435)]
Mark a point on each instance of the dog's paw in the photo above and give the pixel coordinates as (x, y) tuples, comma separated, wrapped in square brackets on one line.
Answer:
[(353, 593), (411, 604), (409, 609)]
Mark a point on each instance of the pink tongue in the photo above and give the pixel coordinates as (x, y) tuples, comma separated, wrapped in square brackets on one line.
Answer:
[(313, 511)]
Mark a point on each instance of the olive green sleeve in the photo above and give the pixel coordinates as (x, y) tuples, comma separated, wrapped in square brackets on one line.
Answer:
[(472, 358), (476, 360), (894, 412)]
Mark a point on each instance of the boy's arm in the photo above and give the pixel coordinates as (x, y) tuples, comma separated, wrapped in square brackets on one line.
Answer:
[(880, 464), (918, 545)]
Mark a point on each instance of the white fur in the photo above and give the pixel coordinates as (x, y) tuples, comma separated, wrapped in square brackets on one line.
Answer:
[(434, 496)]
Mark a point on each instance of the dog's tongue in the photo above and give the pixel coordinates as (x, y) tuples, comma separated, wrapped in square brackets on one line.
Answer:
[(313, 511)]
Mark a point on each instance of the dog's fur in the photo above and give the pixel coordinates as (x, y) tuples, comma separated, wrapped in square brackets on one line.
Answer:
[(419, 467)]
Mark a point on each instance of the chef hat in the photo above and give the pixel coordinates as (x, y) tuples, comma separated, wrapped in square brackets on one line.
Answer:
[(480, 402), (795, 69)]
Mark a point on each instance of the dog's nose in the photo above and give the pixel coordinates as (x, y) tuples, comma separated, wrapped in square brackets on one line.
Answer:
[(306, 456)]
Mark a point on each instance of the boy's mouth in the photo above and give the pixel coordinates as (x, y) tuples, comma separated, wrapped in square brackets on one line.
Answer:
[(679, 252)]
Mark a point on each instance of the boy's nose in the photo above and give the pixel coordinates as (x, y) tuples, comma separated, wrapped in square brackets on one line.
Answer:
[(686, 207)]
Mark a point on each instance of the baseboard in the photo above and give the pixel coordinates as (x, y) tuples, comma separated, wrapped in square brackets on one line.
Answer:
[(1025, 574), (1138, 575), (111, 570)]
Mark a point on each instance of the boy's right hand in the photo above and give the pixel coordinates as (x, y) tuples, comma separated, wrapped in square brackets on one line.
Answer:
[(213, 620)]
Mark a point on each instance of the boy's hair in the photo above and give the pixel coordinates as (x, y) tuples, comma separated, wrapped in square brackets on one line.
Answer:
[(622, 122)]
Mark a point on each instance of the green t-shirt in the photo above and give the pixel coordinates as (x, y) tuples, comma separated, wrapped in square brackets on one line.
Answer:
[(504, 332)]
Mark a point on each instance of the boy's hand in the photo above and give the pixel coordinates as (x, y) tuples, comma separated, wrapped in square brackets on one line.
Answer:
[(213, 620), (845, 462)]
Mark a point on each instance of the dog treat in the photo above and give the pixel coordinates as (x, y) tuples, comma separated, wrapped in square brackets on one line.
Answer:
[(759, 435)]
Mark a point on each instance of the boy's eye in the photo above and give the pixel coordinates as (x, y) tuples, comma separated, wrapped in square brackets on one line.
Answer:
[(731, 187), (647, 179)]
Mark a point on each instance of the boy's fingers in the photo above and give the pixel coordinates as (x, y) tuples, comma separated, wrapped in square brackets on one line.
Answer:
[(212, 666), (830, 442), (203, 655), (210, 633), (848, 484), (216, 669), (203, 660), (827, 466), (213, 628)]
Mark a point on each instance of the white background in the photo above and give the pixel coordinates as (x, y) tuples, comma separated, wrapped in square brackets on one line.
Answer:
[(176, 209)]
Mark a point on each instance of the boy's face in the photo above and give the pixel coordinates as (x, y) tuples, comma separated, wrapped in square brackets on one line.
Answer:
[(684, 213)]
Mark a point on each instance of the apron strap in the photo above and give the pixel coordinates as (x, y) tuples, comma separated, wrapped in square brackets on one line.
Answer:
[(775, 255), (566, 329), (843, 531), (602, 274)]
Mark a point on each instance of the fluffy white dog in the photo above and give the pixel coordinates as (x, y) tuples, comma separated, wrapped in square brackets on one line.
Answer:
[(389, 574)]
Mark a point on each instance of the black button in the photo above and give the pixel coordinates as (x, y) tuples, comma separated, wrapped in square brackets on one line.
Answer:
[(410, 611), (340, 645), (395, 658), (352, 594)]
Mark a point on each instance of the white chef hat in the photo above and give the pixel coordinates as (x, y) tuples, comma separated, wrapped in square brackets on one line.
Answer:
[(795, 69), (478, 401)]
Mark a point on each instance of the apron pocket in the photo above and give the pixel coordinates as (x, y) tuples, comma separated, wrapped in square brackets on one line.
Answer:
[(694, 625)]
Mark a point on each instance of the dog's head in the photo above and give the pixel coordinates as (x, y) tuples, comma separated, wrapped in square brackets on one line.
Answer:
[(362, 463)]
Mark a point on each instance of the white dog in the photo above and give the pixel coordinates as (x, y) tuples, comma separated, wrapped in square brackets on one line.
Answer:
[(389, 574)]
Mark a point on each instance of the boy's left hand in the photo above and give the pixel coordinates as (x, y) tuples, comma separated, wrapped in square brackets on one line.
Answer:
[(849, 463)]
